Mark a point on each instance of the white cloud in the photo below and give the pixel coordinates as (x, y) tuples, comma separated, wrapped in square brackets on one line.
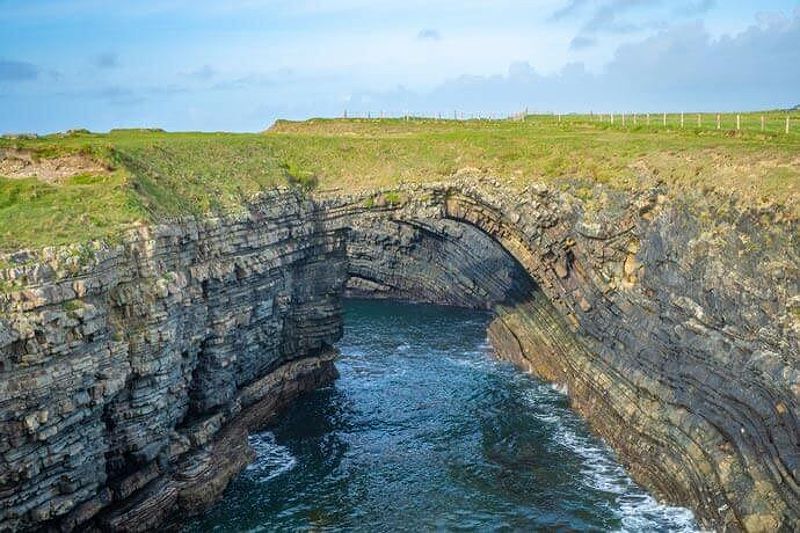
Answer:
[(683, 68), (204, 73), (429, 35), (16, 71), (106, 60), (246, 62)]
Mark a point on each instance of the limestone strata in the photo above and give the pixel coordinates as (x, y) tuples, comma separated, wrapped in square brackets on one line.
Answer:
[(673, 323), (130, 374), (434, 260), (201, 474)]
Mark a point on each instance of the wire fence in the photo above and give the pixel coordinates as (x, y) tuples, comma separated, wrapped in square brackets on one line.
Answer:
[(771, 122)]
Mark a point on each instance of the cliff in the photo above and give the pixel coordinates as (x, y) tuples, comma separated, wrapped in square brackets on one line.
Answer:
[(674, 324), (131, 373)]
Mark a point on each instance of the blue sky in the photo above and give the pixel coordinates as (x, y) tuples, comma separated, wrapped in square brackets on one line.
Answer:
[(239, 64)]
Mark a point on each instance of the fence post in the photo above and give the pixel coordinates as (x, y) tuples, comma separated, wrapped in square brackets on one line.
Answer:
[(634, 119), (648, 119), (719, 122), (681, 120), (738, 122), (559, 118), (762, 123), (699, 121), (623, 120), (664, 119), (787, 124), (612, 118)]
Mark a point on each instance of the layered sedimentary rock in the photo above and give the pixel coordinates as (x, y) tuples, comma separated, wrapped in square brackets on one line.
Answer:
[(130, 374), (130, 378), (673, 324), (430, 260)]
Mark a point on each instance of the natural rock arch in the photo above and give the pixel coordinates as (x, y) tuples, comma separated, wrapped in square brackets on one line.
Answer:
[(131, 372), (657, 385)]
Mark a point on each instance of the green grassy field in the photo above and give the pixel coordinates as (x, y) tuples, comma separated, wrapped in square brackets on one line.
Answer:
[(154, 175)]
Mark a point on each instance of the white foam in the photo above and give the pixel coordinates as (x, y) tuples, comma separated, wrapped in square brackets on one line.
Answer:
[(272, 459), (636, 509), (641, 512)]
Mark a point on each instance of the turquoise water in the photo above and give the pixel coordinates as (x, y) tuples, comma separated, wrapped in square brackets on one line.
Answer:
[(424, 430)]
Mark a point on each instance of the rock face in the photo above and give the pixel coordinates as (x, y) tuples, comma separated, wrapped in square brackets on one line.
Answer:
[(675, 332), (130, 375)]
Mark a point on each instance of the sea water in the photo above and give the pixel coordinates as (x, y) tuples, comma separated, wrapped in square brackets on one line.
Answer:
[(426, 430)]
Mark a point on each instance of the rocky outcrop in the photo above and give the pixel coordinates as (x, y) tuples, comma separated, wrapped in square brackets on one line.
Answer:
[(673, 324), (131, 374), (430, 260)]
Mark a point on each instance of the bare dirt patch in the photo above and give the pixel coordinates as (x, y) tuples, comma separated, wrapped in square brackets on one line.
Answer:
[(24, 164)]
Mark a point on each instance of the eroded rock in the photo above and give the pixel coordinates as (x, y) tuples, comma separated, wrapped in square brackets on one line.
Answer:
[(129, 378)]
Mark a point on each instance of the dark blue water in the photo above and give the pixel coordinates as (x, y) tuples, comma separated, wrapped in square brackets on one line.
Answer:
[(426, 431)]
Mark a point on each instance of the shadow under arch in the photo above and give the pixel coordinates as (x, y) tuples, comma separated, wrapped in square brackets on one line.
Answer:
[(458, 245)]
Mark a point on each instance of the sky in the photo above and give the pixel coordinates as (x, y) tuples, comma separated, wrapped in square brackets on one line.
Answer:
[(238, 65)]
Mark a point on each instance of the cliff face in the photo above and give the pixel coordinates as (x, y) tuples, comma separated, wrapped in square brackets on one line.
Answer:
[(673, 324), (130, 375)]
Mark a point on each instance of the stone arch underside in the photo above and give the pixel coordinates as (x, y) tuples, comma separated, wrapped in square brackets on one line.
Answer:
[(440, 261), (662, 387)]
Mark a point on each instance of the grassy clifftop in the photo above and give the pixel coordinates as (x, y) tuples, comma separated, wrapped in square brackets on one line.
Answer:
[(67, 188)]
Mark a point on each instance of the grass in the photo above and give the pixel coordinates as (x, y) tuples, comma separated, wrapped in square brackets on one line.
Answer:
[(156, 175), (33, 213)]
